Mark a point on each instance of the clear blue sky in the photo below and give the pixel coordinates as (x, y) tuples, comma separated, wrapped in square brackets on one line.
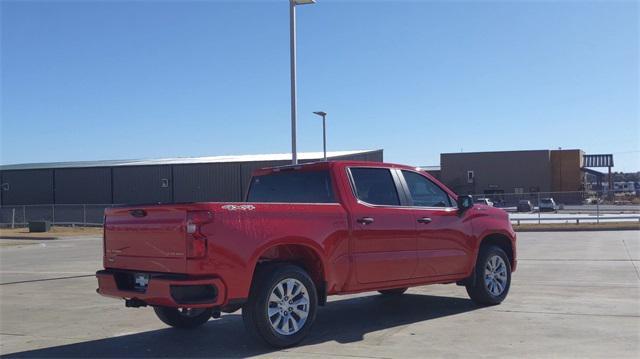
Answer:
[(90, 80)]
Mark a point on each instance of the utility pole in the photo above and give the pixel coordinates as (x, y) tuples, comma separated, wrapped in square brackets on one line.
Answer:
[(292, 50)]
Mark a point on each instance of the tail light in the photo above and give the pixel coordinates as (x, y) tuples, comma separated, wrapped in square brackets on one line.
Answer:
[(196, 239), (104, 234)]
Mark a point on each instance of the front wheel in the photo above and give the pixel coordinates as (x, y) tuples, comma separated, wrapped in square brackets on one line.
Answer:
[(492, 277), (184, 318), (282, 305)]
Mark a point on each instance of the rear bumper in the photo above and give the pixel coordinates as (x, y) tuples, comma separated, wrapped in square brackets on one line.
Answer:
[(166, 290)]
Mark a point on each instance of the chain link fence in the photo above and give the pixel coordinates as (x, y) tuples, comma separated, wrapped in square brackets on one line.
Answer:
[(575, 201), (579, 205), (57, 214), (566, 207)]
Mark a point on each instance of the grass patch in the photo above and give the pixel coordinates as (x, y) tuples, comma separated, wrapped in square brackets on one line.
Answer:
[(4, 244), (55, 232)]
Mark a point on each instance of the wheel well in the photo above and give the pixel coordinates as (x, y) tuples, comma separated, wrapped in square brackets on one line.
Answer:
[(501, 241), (302, 256)]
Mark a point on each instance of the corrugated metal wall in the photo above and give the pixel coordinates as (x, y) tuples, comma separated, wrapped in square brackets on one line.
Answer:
[(27, 187), (83, 185), (139, 184), (207, 182), (142, 184)]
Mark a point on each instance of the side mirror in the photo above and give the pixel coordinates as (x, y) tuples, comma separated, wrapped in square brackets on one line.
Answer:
[(464, 203)]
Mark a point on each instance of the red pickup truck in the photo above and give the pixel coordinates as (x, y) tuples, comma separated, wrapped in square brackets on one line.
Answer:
[(304, 232)]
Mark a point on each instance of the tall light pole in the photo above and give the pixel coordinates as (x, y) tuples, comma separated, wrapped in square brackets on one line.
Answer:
[(324, 132), (292, 47)]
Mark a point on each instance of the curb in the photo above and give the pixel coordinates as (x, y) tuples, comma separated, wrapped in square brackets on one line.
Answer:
[(29, 238), (577, 229)]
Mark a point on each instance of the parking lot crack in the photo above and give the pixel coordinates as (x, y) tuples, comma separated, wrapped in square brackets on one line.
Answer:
[(335, 355), (586, 285), (48, 279), (569, 313), (626, 248), (573, 260), (14, 334), (44, 336)]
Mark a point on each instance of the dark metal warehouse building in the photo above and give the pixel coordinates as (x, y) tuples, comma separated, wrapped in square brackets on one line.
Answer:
[(219, 178), (173, 180)]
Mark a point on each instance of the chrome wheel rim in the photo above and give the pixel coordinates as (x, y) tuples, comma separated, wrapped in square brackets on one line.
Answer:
[(495, 275), (190, 312), (288, 306)]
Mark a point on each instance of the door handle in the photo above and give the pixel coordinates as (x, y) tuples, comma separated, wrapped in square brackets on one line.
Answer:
[(365, 220), (425, 220)]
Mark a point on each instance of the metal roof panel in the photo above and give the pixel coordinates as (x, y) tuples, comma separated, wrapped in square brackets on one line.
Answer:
[(180, 160)]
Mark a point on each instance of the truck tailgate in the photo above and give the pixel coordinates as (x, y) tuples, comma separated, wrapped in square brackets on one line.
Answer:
[(146, 238)]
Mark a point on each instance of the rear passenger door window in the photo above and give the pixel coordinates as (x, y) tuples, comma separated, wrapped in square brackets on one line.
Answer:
[(375, 186), (425, 193)]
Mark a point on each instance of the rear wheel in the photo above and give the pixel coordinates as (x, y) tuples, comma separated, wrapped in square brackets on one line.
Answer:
[(282, 305), (183, 317), (492, 277), (393, 292)]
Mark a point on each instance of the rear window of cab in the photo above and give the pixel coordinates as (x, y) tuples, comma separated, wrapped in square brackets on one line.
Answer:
[(292, 187)]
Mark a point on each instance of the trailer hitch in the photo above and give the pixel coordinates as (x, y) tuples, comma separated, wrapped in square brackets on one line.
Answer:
[(134, 303)]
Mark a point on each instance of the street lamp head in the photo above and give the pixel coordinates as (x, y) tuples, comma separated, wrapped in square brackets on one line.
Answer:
[(320, 113), (303, 2)]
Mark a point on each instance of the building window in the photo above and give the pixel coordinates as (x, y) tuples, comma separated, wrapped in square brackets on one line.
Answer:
[(518, 190), (470, 176), (164, 182)]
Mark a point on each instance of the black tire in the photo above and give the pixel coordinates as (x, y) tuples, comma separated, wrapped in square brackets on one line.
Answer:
[(183, 318), (479, 291), (254, 312), (393, 292)]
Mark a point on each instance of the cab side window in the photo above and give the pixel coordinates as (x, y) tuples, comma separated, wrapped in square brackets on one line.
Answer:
[(375, 186), (424, 192)]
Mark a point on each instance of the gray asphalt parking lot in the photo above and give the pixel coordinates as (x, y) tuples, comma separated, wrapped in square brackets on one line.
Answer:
[(575, 294)]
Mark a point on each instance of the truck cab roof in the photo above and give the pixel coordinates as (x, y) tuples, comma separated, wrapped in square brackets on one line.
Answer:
[(330, 164)]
